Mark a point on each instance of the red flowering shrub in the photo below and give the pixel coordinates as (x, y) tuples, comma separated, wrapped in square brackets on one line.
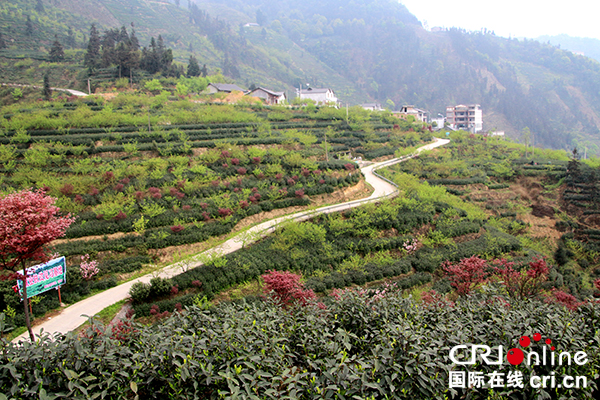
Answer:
[(139, 195), (567, 300), (78, 199), (67, 189), (125, 181), (173, 191), (321, 181), (291, 182), (299, 193), (120, 216), (235, 161), (225, 165), (177, 228), (244, 204), (239, 181), (204, 205), (99, 216), (225, 212), (522, 284), (119, 187), (279, 176), (174, 290), (156, 195), (206, 216), (93, 191), (242, 171), (305, 172), (180, 195), (286, 287), (225, 154), (197, 283), (154, 310), (108, 176), (349, 167), (186, 207), (215, 183), (255, 160)]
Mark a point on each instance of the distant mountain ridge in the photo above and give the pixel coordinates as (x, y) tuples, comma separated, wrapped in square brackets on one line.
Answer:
[(589, 47), (366, 50)]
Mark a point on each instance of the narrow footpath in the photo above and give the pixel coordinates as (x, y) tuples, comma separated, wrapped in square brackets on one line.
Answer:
[(75, 315)]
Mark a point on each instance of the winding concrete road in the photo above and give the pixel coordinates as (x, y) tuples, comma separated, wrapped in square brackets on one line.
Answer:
[(75, 315), (72, 92)]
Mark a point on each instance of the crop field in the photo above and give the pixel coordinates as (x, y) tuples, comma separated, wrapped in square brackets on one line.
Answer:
[(143, 175)]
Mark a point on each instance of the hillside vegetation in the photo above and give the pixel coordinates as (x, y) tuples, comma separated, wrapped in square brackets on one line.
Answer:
[(372, 50)]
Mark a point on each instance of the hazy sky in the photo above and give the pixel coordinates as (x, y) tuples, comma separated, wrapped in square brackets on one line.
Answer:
[(520, 18)]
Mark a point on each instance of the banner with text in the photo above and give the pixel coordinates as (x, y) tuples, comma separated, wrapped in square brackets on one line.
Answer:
[(43, 277)]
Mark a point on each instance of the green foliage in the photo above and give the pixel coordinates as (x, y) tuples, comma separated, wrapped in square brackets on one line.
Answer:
[(364, 344)]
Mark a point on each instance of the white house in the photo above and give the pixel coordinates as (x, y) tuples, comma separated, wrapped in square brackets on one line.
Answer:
[(319, 96), (269, 96)]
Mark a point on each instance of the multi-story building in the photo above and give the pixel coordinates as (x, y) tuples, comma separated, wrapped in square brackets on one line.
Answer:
[(468, 118)]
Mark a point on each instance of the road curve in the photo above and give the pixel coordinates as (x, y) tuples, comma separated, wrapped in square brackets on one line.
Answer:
[(75, 315), (72, 92)]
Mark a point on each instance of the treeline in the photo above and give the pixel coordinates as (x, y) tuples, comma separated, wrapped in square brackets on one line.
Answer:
[(119, 48)]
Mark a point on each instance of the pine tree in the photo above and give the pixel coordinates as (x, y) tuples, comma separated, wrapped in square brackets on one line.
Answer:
[(47, 91), (135, 43), (92, 56), (204, 71), (57, 53), (193, 67)]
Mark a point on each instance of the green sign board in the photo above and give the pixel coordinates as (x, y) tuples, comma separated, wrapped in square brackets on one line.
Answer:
[(43, 277)]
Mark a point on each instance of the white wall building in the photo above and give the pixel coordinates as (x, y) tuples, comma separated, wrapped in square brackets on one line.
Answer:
[(468, 118), (319, 96)]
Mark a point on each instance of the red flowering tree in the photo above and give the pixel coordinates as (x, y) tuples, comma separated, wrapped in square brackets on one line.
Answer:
[(466, 274), (30, 220), (522, 284), (286, 287)]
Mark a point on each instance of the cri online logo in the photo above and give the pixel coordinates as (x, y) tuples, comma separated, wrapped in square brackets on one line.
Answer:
[(516, 356)]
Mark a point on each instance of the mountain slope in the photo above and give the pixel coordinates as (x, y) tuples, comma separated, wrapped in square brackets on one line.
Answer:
[(366, 50)]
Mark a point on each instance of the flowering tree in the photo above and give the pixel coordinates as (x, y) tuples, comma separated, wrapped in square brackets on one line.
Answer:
[(30, 220), (286, 287), (466, 274), (88, 268)]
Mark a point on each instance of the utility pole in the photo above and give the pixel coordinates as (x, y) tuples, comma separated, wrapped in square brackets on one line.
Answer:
[(89, 87)]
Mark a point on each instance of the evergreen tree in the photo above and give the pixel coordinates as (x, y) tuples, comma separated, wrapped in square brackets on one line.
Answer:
[(29, 26), (193, 67), (92, 56), (47, 91), (57, 53), (2, 42), (204, 71), (134, 42), (39, 7)]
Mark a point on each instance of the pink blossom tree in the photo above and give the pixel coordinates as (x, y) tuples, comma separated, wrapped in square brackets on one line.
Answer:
[(88, 268), (30, 220)]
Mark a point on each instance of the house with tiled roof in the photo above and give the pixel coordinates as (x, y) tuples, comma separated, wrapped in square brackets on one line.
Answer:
[(270, 97)]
